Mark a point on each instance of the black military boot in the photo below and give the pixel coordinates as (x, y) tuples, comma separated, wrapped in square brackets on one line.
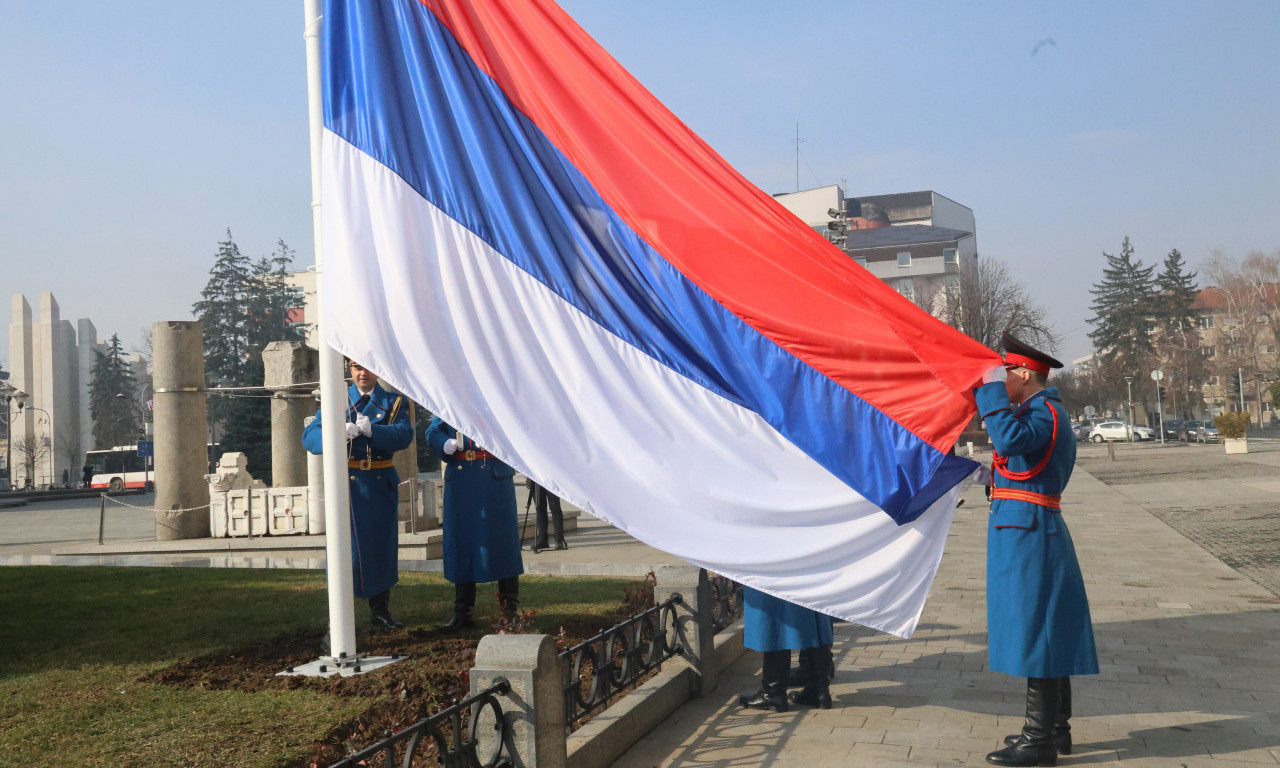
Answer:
[(1035, 745), (509, 597), (1061, 728), (773, 689), (798, 676), (464, 601), (380, 613), (817, 689)]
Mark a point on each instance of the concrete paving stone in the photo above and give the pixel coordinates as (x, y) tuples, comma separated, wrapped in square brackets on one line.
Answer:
[(841, 717), (1255, 756), (930, 756), (863, 753), (812, 749)]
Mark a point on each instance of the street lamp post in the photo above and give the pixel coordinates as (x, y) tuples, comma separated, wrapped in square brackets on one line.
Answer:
[(49, 449), (10, 393), (1128, 380)]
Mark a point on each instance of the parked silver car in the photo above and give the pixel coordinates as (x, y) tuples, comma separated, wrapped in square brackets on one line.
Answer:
[(1207, 432), (1118, 430)]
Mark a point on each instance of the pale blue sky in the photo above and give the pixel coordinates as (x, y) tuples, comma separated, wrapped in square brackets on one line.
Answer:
[(135, 133)]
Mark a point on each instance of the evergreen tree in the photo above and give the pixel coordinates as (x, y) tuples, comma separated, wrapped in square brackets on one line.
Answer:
[(1122, 307), (112, 402), (244, 307), (1176, 294)]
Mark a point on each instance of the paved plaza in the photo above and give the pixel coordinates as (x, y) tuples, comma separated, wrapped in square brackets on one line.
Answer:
[(1178, 548)]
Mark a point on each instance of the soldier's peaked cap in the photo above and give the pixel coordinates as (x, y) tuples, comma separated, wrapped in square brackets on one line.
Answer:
[(1023, 355)]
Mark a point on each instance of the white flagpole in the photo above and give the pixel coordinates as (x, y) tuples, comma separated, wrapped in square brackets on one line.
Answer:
[(333, 394)]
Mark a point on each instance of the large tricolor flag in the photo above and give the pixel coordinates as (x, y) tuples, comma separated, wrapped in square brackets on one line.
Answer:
[(524, 240)]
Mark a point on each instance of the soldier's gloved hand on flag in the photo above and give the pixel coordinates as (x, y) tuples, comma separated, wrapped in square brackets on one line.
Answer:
[(984, 474), (996, 373), (450, 447), (352, 431), (363, 426)]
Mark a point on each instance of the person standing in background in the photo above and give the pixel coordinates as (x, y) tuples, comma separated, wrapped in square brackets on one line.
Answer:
[(481, 530)]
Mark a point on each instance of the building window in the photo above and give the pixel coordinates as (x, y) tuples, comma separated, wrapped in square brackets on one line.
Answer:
[(949, 256), (1209, 351), (862, 260), (1204, 322), (907, 287), (904, 259)]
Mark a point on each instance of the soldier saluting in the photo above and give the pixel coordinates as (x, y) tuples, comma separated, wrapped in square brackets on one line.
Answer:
[(1038, 624)]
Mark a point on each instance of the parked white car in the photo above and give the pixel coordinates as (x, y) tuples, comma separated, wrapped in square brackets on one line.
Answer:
[(1118, 430)]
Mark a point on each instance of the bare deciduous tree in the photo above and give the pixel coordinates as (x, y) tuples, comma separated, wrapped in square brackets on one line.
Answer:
[(70, 448), (983, 300), (31, 453), (1249, 329)]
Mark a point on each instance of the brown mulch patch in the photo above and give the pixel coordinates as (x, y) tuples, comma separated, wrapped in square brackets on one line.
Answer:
[(433, 674)]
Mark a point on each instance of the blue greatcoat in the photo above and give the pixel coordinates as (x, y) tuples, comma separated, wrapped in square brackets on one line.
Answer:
[(481, 535), (374, 492), (1038, 621), (773, 624)]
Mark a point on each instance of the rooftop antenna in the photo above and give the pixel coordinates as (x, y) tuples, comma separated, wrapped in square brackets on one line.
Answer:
[(798, 141)]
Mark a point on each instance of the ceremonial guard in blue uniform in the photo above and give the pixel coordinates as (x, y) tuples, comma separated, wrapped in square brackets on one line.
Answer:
[(1038, 623), (481, 533), (377, 426), (775, 627)]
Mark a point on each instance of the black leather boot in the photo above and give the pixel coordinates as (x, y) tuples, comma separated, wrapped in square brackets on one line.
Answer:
[(464, 601), (773, 689), (1061, 728), (1035, 745), (798, 676), (817, 690), (380, 613), (509, 597)]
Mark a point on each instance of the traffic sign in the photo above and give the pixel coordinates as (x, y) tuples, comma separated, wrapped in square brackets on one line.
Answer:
[(1157, 375), (146, 448)]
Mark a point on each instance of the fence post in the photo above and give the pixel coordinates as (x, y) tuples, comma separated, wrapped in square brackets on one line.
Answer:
[(102, 518), (534, 710), (693, 620)]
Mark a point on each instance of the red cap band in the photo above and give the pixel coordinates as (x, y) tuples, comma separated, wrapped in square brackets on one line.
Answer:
[(1022, 361)]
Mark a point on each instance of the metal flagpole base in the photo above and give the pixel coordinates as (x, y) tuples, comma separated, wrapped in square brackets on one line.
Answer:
[(346, 666)]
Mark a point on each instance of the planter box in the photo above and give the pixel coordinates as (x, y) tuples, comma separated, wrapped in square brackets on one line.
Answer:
[(1236, 444)]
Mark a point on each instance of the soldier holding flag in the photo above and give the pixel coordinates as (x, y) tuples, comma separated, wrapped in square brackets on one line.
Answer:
[(1038, 623)]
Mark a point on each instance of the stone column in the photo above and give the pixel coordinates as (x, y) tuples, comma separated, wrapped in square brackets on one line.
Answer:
[(693, 620), (182, 431), (291, 372), (534, 709)]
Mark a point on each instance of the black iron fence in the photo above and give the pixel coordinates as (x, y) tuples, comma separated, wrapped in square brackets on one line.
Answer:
[(452, 733), (617, 659), (726, 601)]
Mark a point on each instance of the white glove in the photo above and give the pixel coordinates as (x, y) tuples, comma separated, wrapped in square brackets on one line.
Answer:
[(450, 447), (997, 373), (363, 424), (352, 431)]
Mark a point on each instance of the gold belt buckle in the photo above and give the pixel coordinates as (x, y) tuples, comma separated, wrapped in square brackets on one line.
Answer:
[(469, 455), (366, 463)]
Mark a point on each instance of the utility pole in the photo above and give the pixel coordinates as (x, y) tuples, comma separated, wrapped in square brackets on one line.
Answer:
[(798, 141)]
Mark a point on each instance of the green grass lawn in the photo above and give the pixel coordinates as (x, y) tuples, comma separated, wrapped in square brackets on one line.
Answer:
[(83, 650)]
